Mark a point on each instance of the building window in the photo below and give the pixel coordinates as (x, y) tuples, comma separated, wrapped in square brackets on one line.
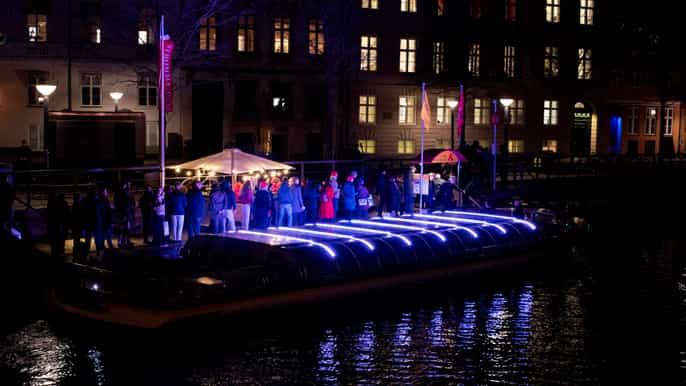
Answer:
[(511, 10), (549, 145), (143, 37), (651, 120), (370, 4), (368, 53), (551, 62), (34, 95), (481, 111), (366, 146), (439, 57), (315, 37), (509, 61), (367, 109), (37, 27), (405, 146), (669, 121), (584, 66), (586, 12), (550, 112), (406, 110), (636, 79), (94, 33), (649, 148), (408, 6), (408, 51), (440, 7), (516, 111), (208, 34), (473, 60), (515, 146), (552, 11), (246, 33), (282, 101), (147, 90), (145, 23), (632, 122), (442, 110), (282, 32), (475, 9), (36, 137), (90, 89)]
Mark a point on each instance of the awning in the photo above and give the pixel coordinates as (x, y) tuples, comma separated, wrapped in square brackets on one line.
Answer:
[(232, 161), (441, 156)]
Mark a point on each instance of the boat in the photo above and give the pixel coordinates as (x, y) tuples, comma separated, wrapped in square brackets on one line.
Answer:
[(252, 270)]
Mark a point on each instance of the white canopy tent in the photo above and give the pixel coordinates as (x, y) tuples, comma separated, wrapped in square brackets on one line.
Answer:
[(232, 161)]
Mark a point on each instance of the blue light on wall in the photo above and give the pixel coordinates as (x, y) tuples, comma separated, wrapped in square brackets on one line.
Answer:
[(616, 134)]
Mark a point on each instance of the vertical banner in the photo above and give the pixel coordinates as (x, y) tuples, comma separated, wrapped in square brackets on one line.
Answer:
[(460, 115), (167, 51)]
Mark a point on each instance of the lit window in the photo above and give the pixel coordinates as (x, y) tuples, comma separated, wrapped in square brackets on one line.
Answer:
[(366, 146), (515, 146), (147, 90), (406, 110), (282, 32), (511, 10), (669, 121), (549, 145), (651, 120), (584, 65), (34, 79), (440, 7), (90, 89), (145, 23), (439, 53), (316, 37), (586, 12), (442, 110), (475, 9), (37, 27), (516, 111), (143, 38), (208, 34), (408, 51), (368, 53), (632, 122), (246, 33), (549, 112), (509, 61), (481, 111), (370, 4), (367, 109), (552, 11), (551, 62), (473, 60), (408, 6), (95, 34), (405, 146)]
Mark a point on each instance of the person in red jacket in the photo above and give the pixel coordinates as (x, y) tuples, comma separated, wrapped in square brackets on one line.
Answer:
[(326, 210)]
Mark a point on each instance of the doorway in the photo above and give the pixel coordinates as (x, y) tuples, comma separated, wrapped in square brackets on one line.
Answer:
[(581, 130)]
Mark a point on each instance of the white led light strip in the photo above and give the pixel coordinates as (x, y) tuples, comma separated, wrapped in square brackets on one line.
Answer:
[(404, 227), (363, 230), (434, 223), (311, 242), (463, 220), (531, 225), (328, 234)]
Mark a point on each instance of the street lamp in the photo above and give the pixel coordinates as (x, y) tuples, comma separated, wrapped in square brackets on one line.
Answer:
[(116, 96), (506, 102), (452, 104), (46, 90)]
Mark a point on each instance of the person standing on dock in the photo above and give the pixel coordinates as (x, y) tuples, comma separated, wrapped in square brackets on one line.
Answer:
[(394, 197), (382, 191), (196, 209), (229, 219), (285, 203), (159, 212), (146, 203), (245, 198), (311, 197), (408, 191), (364, 199), (326, 210), (217, 208), (298, 203), (124, 205), (333, 182), (176, 204), (58, 218), (263, 205), (349, 198)]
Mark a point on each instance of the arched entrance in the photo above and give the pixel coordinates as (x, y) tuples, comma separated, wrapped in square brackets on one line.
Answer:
[(584, 130)]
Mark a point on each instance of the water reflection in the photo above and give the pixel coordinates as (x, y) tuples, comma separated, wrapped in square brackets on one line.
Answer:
[(327, 369)]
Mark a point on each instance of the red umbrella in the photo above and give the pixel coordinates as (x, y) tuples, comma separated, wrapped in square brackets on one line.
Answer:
[(442, 156)]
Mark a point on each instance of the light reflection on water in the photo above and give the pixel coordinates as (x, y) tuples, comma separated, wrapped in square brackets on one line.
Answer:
[(531, 333)]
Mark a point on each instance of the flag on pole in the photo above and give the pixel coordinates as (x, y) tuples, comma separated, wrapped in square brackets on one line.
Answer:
[(426, 109), (166, 86), (460, 112)]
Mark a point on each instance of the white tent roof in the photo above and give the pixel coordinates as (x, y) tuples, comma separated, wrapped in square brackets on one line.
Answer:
[(232, 161)]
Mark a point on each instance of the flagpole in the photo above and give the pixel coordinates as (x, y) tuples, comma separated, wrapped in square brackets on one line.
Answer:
[(494, 120), (162, 104), (421, 158)]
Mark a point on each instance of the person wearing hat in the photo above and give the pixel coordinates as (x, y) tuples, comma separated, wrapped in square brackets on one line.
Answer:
[(333, 182), (326, 211), (263, 205), (176, 204), (298, 203), (364, 199), (349, 198)]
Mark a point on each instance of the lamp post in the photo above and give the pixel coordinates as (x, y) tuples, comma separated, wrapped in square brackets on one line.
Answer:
[(506, 102), (116, 96), (46, 90)]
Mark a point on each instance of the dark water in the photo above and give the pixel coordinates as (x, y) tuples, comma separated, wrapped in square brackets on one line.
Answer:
[(578, 323)]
